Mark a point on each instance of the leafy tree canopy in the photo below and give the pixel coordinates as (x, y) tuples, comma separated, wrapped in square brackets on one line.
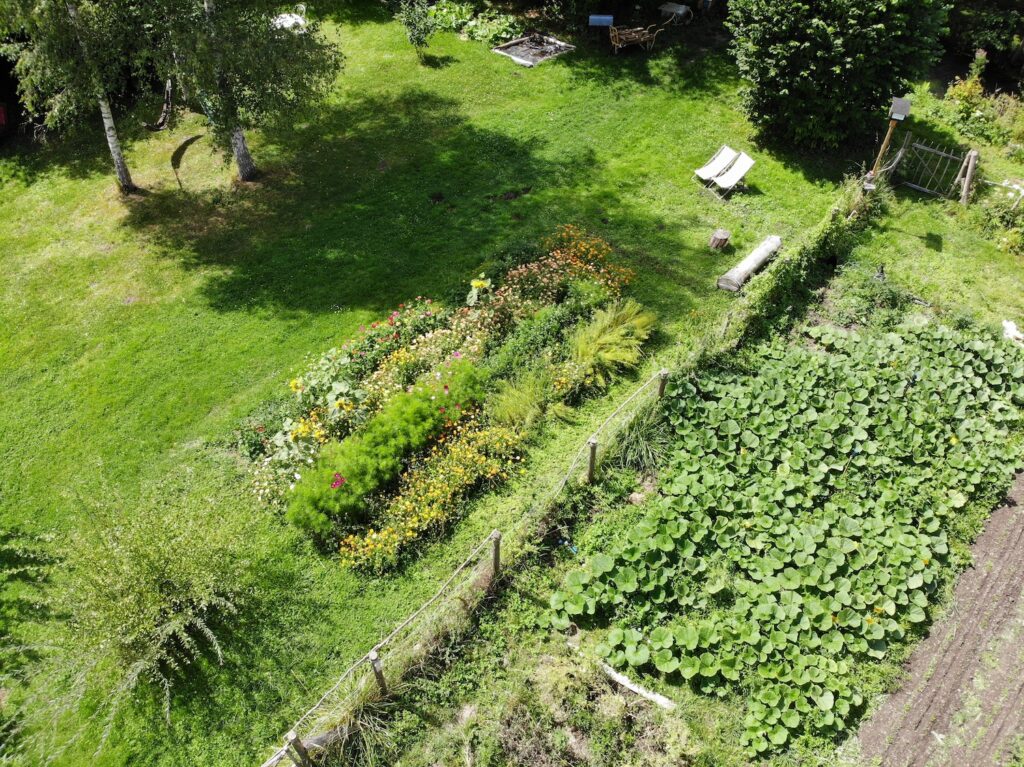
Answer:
[(244, 70), (818, 70), (63, 62)]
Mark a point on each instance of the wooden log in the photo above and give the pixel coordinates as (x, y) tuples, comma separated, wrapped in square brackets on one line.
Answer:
[(591, 460), (662, 383), (719, 239), (733, 279), (972, 166)]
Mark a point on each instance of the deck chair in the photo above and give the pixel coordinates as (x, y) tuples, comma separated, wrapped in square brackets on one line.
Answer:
[(733, 177), (721, 160)]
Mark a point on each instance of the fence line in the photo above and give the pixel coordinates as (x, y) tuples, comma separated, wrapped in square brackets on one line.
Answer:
[(294, 748)]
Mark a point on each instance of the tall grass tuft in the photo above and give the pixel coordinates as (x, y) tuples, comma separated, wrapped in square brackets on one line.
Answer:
[(611, 343)]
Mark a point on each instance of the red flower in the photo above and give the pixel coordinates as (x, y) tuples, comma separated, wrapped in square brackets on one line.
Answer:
[(338, 481)]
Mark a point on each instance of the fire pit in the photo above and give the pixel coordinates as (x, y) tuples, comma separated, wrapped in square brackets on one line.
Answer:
[(533, 49)]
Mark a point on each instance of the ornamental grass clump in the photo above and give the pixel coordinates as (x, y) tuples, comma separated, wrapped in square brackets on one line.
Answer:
[(334, 491), (611, 343)]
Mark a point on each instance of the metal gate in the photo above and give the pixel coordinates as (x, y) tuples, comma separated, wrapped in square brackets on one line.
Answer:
[(930, 168)]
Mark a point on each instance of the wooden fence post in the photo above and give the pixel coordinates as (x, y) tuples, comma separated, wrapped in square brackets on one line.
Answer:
[(495, 554), (295, 742), (663, 375), (592, 461), (972, 165), (378, 671)]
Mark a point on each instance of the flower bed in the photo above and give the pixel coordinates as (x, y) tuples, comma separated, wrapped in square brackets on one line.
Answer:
[(334, 489), (415, 383), (472, 455)]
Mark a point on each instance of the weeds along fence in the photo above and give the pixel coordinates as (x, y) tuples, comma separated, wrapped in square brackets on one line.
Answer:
[(340, 717)]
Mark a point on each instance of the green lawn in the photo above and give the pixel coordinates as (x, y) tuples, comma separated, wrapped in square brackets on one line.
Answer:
[(938, 249), (138, 333)]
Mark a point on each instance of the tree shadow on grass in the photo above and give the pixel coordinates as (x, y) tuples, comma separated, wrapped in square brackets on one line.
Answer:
[(686, 60), (383, 198)]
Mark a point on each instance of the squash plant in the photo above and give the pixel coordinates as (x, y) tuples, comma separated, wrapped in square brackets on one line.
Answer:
[(805, 518)]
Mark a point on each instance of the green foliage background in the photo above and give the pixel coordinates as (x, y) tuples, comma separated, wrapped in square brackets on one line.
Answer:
[(820, 72)]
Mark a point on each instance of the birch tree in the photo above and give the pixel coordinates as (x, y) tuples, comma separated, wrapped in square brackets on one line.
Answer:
[(243, 68), (71, 56)]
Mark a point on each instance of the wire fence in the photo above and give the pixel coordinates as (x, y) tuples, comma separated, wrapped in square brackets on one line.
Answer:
[(373, 676)]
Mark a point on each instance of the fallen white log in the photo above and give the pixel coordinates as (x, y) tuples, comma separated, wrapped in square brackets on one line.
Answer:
[(643, 692), (734, 278)]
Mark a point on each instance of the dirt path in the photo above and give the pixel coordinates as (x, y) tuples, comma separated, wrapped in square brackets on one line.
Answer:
[(963, 702)]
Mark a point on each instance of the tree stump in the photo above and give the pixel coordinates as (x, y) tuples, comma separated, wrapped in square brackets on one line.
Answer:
[(719, 239)]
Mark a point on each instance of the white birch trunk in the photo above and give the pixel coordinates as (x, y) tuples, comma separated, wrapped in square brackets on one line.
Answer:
[(243, 159), (124, 177)]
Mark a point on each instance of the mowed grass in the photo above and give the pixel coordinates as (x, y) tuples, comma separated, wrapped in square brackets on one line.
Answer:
[(938, 249), (138, 333)]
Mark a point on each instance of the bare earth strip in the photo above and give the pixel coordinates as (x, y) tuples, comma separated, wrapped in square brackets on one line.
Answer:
[(963, 701)]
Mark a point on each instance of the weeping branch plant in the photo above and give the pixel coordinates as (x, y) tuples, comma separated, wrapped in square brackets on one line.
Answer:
[(143, 593)]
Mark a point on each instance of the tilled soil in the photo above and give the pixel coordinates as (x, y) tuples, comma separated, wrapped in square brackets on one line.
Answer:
[(963, 701)]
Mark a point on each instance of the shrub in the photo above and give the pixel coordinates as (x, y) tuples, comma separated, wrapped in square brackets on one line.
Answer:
[(816, 71), (418, 22), (995, 25), (611, 343), (430, 493), (1003, 217), (492, 27), (141, 593), (335, 489), (998, 119), (451, 16)]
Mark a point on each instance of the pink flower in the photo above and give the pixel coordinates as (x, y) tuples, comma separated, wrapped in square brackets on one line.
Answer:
[(457, 355), (441, 408), (446, 389), (338, 481)]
